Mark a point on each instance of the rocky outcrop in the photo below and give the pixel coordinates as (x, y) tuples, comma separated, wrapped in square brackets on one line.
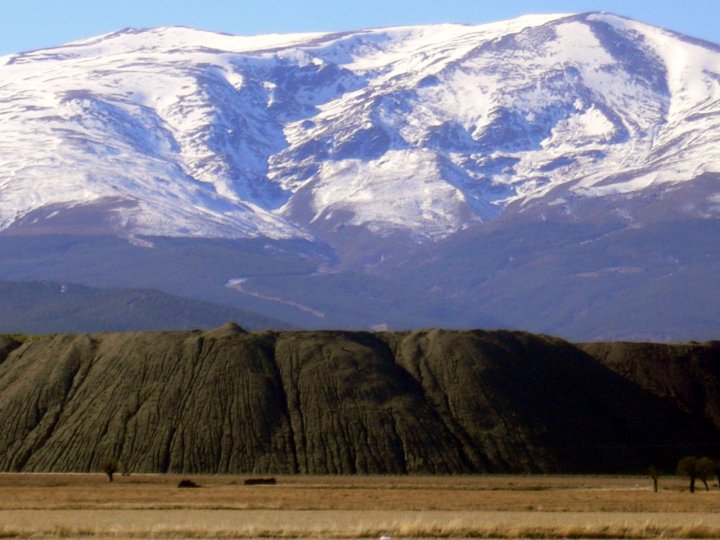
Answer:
[(329, 402)]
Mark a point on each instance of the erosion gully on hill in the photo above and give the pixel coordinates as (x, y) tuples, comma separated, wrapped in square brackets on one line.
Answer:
[(432, 401)]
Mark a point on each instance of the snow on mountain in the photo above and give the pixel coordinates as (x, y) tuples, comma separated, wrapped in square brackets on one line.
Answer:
[(180, 132)]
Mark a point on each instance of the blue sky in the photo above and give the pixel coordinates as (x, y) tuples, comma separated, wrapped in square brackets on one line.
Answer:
[(34, 24)]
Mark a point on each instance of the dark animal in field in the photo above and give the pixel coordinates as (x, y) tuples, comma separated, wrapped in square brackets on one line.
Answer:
[(185, 483), (260, 481)]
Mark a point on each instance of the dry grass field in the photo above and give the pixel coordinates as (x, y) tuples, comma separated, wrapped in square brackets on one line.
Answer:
[(152, 506)]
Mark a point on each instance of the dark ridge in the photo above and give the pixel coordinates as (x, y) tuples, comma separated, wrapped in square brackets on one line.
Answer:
[(330, 402)]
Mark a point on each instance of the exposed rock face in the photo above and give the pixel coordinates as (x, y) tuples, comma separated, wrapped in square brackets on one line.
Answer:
[(330, 402)]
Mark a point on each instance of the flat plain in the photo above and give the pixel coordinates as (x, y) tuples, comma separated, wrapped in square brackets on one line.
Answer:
[(152, 506)]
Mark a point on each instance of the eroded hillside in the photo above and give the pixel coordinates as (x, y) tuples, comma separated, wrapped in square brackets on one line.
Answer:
[(332, 402), (688, 375)]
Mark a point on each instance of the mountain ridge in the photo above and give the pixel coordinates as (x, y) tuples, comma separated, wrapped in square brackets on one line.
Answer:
[(266, 135)]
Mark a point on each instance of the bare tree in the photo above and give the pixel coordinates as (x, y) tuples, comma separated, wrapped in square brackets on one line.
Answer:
[(696, 468), (706, 470), (654, 473)]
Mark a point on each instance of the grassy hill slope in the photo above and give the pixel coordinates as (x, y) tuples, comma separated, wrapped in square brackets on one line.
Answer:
[(331, 402)]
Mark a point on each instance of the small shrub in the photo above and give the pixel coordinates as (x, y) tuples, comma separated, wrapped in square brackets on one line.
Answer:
[(110, 467), (186, 483)]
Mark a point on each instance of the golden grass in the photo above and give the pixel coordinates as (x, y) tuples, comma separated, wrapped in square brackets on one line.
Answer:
[(505, 493), (432, 527), (151, 506)]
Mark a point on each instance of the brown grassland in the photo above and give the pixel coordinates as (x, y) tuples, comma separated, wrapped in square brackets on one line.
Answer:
[(152, 506)]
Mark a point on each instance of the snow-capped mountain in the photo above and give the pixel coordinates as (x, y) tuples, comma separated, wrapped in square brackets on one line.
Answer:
[(555, 173), (426, 130)]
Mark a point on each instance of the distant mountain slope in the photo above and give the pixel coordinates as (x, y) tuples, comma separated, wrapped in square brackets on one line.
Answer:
[(426, 130), (41, 307), (331, 402), (589, 282), (293, 281)]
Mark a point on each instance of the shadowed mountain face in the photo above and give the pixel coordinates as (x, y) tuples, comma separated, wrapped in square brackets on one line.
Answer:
[(337, 402), (688, 376)]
